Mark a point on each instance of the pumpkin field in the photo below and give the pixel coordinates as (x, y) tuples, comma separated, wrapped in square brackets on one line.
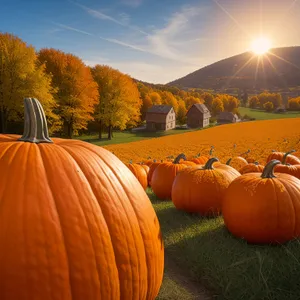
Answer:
[(215, 248)]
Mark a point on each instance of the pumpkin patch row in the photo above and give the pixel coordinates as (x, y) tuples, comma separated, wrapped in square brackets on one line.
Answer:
[(241, 191)]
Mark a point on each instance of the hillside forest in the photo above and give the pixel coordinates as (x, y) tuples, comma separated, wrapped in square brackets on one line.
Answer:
[(78, 98)]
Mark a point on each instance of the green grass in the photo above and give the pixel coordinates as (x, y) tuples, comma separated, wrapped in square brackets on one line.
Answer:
[(263, 115), (207, 254), (121, 137)]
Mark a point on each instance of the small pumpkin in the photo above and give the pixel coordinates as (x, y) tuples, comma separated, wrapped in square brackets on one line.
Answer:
[(290, 159), (148, 162), (140, 173), (200, 160), (284, 167), (164, 175), (200, 189), (252, 168), (152, 169), (263, 207), (75, 222)]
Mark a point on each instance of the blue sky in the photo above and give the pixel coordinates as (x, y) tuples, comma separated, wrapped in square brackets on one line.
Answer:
[(152, 40)]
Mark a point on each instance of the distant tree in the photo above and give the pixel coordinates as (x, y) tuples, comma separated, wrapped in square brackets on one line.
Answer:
[(119, 104), (181, 113), (217, 106), (155, 98), (245, 98), (274, 98), (77, 91), (294, 104), (208, 99), (189, 101), (254, 102), (21, 75), (169, 99), (268, 106)]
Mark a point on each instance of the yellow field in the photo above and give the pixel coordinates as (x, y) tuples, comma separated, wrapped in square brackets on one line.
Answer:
[(260, 136)]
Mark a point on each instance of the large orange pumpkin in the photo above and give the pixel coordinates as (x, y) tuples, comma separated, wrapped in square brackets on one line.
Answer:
[(290, 159), (263, 208), (152, 169), (140, 173), (74, 221), (251, 168), (200, 189), (287, 168), (163, 177)]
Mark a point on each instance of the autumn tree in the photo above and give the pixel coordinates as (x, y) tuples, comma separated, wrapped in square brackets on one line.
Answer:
[(155, 98), (274, 98), (168, 98), (217, 106), (208, 100), (254, 102), (181, 113), (21, 75), (189, 101), (77, 91), (294, 104), (268, 106), (119, 105)]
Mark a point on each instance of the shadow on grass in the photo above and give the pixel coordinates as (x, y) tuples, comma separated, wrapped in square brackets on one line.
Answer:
[(233, 269)]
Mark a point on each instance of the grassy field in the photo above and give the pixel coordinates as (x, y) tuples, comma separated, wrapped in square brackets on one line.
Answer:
[(206, 254), (263, 115), (121, 137)]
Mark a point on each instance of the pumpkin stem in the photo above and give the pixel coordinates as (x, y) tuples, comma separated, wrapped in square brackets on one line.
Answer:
[(228, 161), (248, 151), (212, 148), (35, 124), (149, 157), (286, 155), (154, 160), (209, 163), (178, 158), (268, 171), (130, 161), (256, 163)]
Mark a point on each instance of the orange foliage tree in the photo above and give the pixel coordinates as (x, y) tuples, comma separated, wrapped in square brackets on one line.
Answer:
[(274, 98), (254, 102), (119, 105), (294, 104), (77, 91), (21, 75), (217, 106), (181, 113)]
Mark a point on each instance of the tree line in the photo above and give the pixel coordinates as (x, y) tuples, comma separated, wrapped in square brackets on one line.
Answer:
[(77, 97)]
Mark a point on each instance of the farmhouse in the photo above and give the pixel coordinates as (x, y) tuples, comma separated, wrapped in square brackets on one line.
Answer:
[(227, 117), (198, 116), (160, 117)]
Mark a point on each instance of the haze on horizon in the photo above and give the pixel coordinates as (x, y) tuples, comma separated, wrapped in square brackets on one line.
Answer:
[(152, 40)]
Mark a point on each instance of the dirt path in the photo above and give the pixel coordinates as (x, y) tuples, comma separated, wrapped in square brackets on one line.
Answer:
[(176, 274)]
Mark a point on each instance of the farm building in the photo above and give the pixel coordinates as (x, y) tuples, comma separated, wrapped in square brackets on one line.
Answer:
[(227, 117), (198, 116), (160, 117)]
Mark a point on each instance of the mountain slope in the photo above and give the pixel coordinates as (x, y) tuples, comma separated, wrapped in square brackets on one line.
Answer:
[(280, 68)]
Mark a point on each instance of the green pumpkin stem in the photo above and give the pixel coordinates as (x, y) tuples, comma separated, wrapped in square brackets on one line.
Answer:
[(268, 171), (35, 124), (178, 158), (286, 155), (256, 163), (212, 148), (209, 163), (247, 152)]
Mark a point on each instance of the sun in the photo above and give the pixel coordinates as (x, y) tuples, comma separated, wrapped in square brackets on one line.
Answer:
[(261, 46)]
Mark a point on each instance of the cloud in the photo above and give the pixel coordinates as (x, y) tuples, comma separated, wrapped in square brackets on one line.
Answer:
[(73, 29), (124, 18), (132, 3)]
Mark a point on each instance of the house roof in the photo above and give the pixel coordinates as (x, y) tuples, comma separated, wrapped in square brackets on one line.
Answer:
[(225, 115), (160, 109), (202, 108)]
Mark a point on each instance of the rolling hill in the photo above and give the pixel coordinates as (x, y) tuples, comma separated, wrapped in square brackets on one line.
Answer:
[(278, 69)]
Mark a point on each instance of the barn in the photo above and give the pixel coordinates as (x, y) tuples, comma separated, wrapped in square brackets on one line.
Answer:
[(198, 116), (160, 117), (227, 117)]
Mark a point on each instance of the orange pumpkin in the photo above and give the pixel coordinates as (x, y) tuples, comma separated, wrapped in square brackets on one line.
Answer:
[(140, 173), (152, 169), (148, 162), (252, 168), (263, 208), (146, 168), (290, 159), (163, 177), (287, 168), (200, 160), (75, 222), (200, 189), (237, 162)]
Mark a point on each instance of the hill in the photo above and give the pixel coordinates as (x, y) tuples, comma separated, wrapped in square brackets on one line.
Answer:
[(278, 69)]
